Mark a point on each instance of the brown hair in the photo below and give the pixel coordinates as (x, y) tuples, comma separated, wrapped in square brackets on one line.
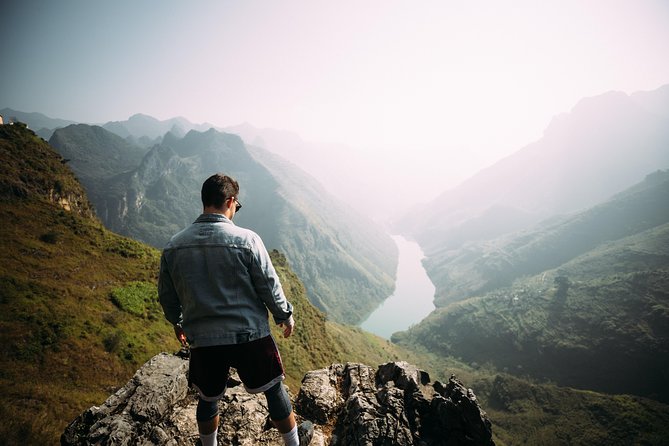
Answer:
[(218, 188)]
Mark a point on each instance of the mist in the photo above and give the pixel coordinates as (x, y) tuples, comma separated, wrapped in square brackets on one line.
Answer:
[(408, 100)]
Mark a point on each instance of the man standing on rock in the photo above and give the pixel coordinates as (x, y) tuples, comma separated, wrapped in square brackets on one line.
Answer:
[(216, 284)]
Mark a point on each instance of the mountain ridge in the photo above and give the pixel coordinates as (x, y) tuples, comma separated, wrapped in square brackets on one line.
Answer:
[(347, 262), (613, 141)]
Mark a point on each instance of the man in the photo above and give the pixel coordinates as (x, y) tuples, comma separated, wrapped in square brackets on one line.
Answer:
[(216, 284)]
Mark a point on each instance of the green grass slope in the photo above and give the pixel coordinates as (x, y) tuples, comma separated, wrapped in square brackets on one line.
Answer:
[(66, 344)]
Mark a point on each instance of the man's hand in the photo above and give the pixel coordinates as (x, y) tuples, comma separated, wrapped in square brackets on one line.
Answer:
[(288, 326), (181, 335)]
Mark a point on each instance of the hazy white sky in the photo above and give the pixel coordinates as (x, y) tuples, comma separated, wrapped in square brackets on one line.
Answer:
[(441, 87)]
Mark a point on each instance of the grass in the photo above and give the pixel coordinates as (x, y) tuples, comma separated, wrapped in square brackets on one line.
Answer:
[(66, 345)]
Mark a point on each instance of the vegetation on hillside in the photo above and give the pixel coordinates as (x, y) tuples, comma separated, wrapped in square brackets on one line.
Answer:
[(66, 345)]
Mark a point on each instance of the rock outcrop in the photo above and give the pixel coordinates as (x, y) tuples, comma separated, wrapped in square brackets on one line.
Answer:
[(394, 404)]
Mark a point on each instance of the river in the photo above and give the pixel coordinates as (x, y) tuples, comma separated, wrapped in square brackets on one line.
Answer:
[(413, 296)]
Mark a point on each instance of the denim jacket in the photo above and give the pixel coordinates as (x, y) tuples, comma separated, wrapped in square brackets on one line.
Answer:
[(217, 281)]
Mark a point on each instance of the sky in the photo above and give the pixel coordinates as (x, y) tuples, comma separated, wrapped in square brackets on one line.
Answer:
[(435, 89)]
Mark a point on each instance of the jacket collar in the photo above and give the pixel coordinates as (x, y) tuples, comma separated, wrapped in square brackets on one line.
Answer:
[(213, 218)]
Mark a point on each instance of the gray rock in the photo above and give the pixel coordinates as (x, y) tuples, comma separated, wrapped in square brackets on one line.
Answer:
[(394, 404)]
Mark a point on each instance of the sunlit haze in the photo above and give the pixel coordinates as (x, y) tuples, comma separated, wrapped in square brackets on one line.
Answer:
[(434, 89)]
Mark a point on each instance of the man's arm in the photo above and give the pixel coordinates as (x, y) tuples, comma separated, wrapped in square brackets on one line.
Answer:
[(169, 300), (268, 287)]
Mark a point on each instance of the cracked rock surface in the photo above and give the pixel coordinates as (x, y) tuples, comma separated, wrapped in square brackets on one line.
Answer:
[(349, 404)]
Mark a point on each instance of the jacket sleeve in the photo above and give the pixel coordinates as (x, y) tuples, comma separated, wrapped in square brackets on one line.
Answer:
[(167, 294), (266, 282)]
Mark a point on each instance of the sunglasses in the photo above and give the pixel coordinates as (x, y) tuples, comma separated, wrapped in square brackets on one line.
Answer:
[(238, 205)]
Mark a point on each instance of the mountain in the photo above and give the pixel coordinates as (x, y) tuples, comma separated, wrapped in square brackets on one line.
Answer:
[(581, 301), (79, 144), (140, 125), (347, 262), (78, 304), (78, 314), (604, 145), (342, 170), (479, 267), (41, 124)]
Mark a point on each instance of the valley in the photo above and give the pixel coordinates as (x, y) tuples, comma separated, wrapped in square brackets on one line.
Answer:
[(551, 296)]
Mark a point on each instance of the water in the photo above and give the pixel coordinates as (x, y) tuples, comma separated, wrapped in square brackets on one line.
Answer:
[(412, 299)]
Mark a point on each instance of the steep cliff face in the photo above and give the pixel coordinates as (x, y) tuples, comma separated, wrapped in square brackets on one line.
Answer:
[(394, 404)]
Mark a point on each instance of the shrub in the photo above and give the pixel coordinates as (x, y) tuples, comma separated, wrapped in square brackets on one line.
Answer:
[(50, 237)]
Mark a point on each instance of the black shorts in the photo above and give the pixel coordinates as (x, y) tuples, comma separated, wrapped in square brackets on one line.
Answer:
[(258, 364)]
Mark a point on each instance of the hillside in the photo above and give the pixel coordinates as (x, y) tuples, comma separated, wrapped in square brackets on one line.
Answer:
[(78, 303), (65, 343), (596, 316), (346, 262), (78, 143), (479, 267)]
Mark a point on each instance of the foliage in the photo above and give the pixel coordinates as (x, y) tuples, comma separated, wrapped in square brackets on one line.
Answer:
[(139, 299)]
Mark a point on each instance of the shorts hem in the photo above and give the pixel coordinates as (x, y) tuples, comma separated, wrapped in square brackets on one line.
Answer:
[(208, 398), (267, 386)]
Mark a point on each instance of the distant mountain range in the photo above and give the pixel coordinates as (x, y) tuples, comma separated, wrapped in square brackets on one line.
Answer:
[(346, 261)]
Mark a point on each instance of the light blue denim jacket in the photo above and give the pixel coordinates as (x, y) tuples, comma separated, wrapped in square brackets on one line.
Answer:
[(217, 280)]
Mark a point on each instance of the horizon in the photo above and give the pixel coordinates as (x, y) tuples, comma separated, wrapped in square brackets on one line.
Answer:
[(434, 92)]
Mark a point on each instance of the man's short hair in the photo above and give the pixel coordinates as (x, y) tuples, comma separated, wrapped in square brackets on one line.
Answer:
[(218, 188)]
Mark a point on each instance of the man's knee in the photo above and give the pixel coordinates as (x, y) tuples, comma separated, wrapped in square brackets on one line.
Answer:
[(206, 410), (278, 402)]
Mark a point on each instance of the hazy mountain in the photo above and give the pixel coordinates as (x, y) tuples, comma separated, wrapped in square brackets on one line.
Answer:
[(478, 267), (140, 125), (346, 261), (39, 123), (343, 171), (78, 304), (604, 145), (580, 301)]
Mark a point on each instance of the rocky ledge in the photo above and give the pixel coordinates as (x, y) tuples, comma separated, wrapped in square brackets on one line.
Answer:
[(394, 404)]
